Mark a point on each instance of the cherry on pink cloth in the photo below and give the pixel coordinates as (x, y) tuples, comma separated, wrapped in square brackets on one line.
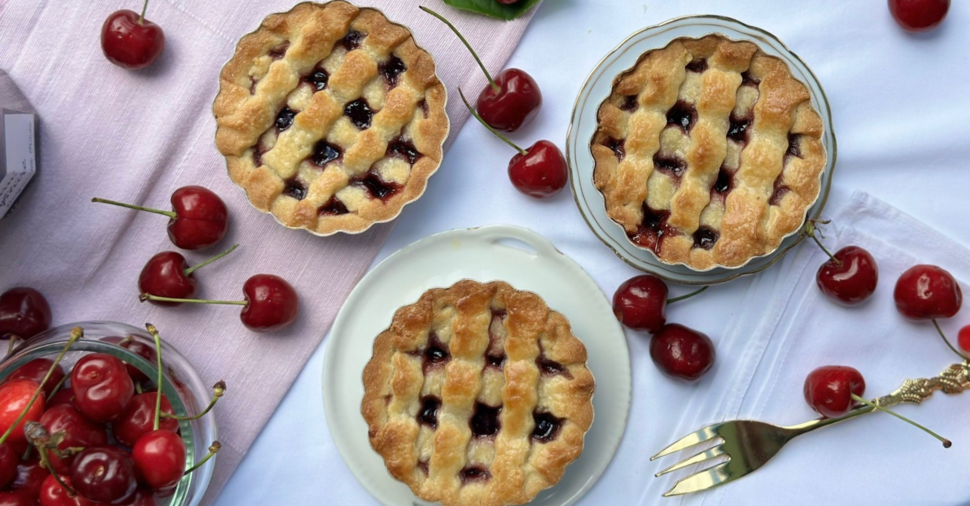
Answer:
[(136, 136)]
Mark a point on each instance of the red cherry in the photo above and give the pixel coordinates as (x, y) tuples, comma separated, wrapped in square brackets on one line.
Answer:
[(850, 277), (8, 464), (36, 370), (927, 292), (17, 498), (131, 41), (63, 397), (540, 171), (514, 104), (160, 458), (24, 312), (30, 476), (14, 397), (963, 339), (164, 275), (639, 303), (919, 15), (198, 220), (139, 418), (271, 303), (143, 497), (682, 353), (139, 348), (101, 386), (104, 474), (829, 389), (79, 432), (52, 494)]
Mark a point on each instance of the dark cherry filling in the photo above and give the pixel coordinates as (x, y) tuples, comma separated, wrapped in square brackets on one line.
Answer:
[(546, 428), (683, 115), (324, 153), (495, 354), (279, 52), (629, 103), (670, 165), (359, 113), (435, 354), (423, 105), (652, 230), (485, 422), (474, 473), (403, 148), (779, 193), (429, 411), (748, 80), (252, 85), (617, 146), (285, 119), (352, 40), (423, 466), (551, 367), (293, 187), (697, 65), (705, 238), (391, 69), (724, 181), (333, 207), (495, 361), (377, 188), (738, 131), (258, 155), (318, 79), (793, 147)]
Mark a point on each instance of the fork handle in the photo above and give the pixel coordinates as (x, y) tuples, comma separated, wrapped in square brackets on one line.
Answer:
[(953, 380)]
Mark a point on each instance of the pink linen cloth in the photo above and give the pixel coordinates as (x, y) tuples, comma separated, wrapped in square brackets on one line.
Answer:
[(136, 136)]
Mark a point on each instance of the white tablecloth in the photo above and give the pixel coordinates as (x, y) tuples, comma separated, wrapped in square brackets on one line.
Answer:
[(899, 104)]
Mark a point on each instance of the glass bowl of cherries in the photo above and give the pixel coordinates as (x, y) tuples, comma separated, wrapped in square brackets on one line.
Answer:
[(82, 423)]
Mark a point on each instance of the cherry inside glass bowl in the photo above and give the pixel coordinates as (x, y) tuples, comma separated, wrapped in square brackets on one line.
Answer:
[(182, 385)]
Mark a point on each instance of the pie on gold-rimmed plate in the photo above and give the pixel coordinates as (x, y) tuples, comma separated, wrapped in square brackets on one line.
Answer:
[(330, 117), (708, 152), (478, 394)]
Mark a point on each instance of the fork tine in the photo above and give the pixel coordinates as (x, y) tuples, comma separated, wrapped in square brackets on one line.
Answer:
[(717, 451), (708, 478), (689, 440)]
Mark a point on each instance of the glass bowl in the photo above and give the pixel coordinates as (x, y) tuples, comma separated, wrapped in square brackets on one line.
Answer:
[(182, 385)]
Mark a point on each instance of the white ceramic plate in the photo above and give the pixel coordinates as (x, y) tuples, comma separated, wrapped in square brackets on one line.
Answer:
[(583, 124), (525, 260)]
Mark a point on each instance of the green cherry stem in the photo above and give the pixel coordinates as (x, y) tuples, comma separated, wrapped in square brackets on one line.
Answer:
[(76, 333), (170, 214), (158, 394), (486, 125), (684, 297), (60, 384), (147, 296), (946, 442), (947, 341), (13, 339), (141, 19), (190, 270), (218, 390), (213, 449), (810, 231), (465, 42)]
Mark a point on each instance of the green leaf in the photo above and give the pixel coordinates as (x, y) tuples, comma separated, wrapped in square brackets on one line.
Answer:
[(493, 8)]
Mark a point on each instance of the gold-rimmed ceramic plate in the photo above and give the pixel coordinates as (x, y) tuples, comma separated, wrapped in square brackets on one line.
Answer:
[(583, 124)]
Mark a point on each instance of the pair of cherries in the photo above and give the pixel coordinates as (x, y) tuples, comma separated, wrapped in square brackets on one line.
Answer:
[(678, 351), (510, 101)]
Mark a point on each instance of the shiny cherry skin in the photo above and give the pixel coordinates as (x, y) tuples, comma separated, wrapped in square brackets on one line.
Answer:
[(201, 218), (24, 312), (101, 386), (14, 396), (160, 458), (829, 389), (143, 497), (851, 278), (164, 275), (105, 474), (52, 494), (139, 418), (17, 498), (79, 432), (271, 303), (639, 303), (541, 172), (63, 397), (682, 353), (35, 370), (8, 464), (139, 348), (963, 339), (919, 15), (131, 44), (927, 292), (30, 476), (514, 105)]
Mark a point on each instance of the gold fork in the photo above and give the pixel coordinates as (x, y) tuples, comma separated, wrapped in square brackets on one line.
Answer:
[(747, 445)]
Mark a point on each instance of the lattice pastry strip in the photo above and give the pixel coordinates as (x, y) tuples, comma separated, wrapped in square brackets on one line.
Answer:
[(478, 394)]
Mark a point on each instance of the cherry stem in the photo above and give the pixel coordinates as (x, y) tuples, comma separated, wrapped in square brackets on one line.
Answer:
[(946, 442), (491, 81), (810, 231), (170, 214), (190, 270), (217, 392), (213, 449), (60, 384), (76, 333), (147, 296), (45, 462), (144, 8), (489, 127), (138, 389), (13, 339), (947, 341), (158, 393), (689, 295)]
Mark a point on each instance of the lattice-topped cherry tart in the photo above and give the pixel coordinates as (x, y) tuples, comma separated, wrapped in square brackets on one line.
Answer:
[(708, 152), (330, 117), (478, 394)]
